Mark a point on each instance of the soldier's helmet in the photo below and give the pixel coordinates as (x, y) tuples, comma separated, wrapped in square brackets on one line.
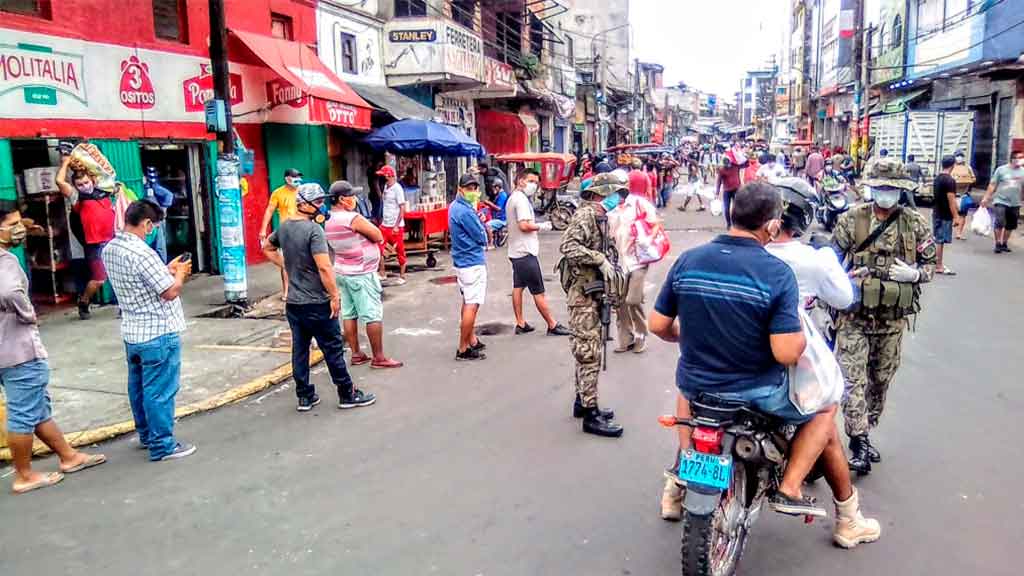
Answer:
[(887, 171), (606, 184)]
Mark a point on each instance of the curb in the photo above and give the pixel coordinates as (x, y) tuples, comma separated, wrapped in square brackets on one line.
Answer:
[(109, 431)]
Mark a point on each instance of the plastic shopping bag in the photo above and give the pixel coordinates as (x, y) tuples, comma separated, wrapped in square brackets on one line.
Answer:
[(815, 381), (967, 204), (716, 207), (650, 243), (982, 222)]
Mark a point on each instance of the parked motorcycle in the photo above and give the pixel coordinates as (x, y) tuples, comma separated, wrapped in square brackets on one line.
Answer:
[(736, 460)]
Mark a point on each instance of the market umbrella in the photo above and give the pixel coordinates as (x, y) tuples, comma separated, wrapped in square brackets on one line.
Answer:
[(422, 136)]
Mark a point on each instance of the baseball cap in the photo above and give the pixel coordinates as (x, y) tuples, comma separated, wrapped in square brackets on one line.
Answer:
[(344, 189), (386, 171), (309, 192), (292, 173), (468, 180)]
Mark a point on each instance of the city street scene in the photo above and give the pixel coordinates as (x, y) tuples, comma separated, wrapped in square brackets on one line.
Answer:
[(510, 287)]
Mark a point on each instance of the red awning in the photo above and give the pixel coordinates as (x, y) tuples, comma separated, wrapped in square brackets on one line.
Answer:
[(331, 101), (501, 132)]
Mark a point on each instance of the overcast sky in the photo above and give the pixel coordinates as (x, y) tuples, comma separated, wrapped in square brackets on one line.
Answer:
[(709, 44)]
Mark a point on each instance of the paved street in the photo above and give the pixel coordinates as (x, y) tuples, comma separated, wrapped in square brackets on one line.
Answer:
[(479, 469)]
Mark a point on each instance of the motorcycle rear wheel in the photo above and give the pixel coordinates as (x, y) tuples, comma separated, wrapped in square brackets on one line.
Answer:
[(711, 547)]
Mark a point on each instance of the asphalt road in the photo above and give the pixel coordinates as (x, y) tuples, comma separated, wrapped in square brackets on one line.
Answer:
[(481, 470)]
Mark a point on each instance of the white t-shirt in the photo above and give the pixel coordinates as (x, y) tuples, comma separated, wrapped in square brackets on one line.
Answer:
[(518, 209), (394, 198), (818, 272), (771, 171)]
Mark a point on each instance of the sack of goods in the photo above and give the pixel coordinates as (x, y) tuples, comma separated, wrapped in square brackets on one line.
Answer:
[(88, 158), (982, 222)]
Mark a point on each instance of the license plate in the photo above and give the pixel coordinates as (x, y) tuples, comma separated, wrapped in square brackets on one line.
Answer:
[(707, 469)]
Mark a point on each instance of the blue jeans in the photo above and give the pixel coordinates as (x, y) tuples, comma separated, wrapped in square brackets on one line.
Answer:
[(159, 241), (154, 370), (665, 195), (727, 206), (28, 402), (309, 321)]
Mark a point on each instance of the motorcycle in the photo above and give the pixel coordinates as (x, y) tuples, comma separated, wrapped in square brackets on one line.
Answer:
[(735, 462), (834, 202)]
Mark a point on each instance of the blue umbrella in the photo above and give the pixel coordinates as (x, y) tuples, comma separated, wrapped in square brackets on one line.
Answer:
[(422, 136)]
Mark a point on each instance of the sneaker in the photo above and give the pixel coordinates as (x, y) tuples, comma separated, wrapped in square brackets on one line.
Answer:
[(83, 311), (306, 404), (181, 450), (559, 330), (1006, 248), (357, 399), (640, 345), (470, 354), (803, 506), (399, 282), (479, 346), (524, 329), (624, 348)]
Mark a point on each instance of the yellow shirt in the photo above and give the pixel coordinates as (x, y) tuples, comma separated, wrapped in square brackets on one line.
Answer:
[(283, 200)]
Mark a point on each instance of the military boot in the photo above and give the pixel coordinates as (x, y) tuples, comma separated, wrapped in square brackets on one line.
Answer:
[(852, 527), (578, 410), (860, 461), (594, 423), (873, 454), (672, 498)]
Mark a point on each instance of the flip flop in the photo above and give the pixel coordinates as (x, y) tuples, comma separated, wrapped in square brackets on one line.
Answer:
[(389, 363), (47, 480), (946, 270), (90, 461), (359, 360)]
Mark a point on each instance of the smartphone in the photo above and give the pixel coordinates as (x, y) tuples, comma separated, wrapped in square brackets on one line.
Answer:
[(185, 257)]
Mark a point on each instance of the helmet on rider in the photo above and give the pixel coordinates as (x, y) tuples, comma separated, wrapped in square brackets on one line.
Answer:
[(797, 204)]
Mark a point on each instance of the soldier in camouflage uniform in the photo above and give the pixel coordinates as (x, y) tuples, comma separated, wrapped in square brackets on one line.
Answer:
[(584, 267), (887, 269)]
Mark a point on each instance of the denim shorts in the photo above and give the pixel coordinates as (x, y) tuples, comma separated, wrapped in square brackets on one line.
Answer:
[(771, 399), (28, 402), (942, 230)]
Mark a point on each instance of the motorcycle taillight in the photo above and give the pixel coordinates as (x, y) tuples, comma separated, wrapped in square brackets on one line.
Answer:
[(708, 440)]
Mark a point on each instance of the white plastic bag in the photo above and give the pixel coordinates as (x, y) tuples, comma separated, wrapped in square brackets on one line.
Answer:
[(816, 381), (707, 192), (982, 222), (716, 207)]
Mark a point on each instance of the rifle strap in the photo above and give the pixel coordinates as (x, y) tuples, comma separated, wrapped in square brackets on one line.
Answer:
[(877, 232)]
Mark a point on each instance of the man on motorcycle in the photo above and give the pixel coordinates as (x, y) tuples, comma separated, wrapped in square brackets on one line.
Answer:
[(732, 307)]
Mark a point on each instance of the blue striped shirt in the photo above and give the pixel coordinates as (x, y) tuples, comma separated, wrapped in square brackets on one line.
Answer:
[(730, 295)]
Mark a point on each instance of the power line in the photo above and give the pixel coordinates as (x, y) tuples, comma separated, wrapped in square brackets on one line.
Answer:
[(938, 59)]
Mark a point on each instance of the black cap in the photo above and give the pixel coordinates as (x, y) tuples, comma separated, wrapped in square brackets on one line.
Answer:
[(468, 180), (292, 172), (342, 188)]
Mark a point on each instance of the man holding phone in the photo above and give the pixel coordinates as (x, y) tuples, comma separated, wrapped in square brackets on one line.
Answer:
[(147, 292)]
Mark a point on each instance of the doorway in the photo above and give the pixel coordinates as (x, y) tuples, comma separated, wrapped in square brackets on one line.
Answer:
[(983, 135), (178, 169), (1003, 130)]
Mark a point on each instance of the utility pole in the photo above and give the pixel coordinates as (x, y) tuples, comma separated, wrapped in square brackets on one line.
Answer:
[(603, 118), (862, 82), (636, 103), (228, 195)]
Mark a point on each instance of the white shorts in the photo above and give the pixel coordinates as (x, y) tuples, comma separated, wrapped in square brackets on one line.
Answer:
[(472, 283)]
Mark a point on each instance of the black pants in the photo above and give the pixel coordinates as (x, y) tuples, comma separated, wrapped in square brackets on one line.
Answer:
[(309, 321), (727, 206)]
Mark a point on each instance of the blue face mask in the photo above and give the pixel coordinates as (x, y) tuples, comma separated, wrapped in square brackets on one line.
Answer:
[(611, 202)]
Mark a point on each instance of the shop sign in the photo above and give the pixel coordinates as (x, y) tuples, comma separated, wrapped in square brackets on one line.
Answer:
[(463, 54), (41, 72), (198, 89), (456, 112), (136, 91), (498, 74), (424, 35), (280, 92), (338, 114)]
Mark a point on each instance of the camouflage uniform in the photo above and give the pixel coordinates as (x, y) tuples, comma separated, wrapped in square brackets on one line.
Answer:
[(869, 336), (581, 248)]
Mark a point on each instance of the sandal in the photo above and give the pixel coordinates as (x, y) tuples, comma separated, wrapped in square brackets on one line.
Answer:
[(90, 461), (386, 363), (359, 359), (946, 270), (47, 480)]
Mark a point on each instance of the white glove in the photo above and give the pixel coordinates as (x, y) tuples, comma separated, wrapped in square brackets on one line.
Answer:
[(607, 270), (903, 272), (544, 226)]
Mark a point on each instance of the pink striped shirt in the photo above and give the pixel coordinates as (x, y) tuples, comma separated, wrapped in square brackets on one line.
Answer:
[(353, 253)]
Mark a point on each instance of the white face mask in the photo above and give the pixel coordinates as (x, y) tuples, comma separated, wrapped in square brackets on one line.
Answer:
[(886, 198), (531, 188), (293, 181), (1018, 162)]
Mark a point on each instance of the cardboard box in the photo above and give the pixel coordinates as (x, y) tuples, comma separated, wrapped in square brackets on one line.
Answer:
[(40, 180)]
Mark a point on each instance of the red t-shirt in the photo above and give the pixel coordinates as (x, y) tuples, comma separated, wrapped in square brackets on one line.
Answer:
[(653, 176), (730, 178), (97, 219), (638, 183)]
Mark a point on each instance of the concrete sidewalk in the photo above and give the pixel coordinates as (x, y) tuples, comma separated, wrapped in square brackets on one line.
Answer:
[(224, 359)]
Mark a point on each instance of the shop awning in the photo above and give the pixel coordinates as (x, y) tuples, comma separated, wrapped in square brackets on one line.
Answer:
[(901, 103), (502, 132), (393, 102), (330, 99)]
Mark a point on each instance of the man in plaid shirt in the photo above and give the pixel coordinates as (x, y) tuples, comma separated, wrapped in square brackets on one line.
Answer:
[(151, 318)]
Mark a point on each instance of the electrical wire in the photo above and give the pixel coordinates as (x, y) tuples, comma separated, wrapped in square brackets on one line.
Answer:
[(938, 59), (957, 19)]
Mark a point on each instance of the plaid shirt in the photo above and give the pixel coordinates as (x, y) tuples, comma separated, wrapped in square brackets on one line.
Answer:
[(139, 277)]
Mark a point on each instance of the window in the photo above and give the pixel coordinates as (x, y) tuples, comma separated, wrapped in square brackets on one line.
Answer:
[(930, 14), (747, 97), (509, 36), (536, 36), (170, 20), (407, 8), (897, 32), (570, 50), (348, 53), (281, 26), (464, 12), (40, 8)]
